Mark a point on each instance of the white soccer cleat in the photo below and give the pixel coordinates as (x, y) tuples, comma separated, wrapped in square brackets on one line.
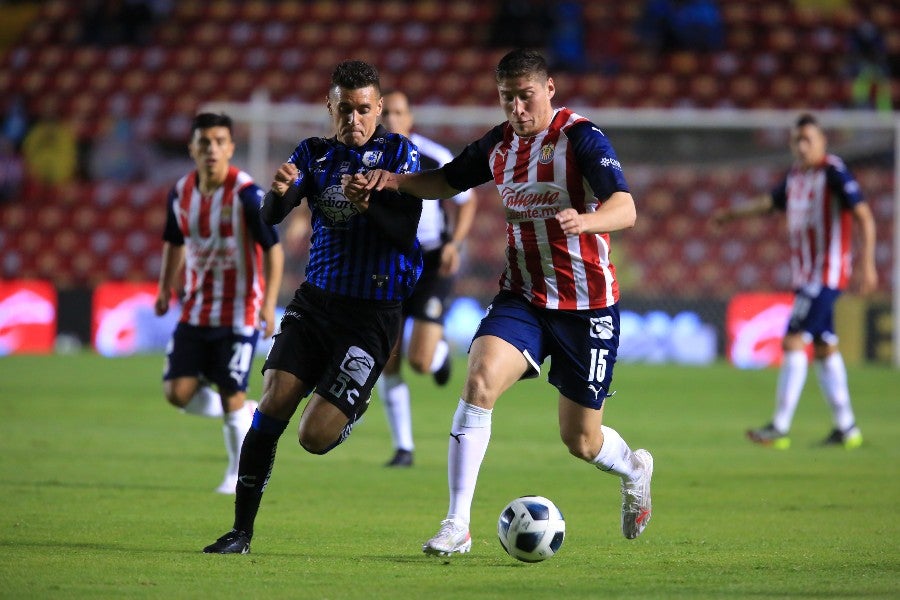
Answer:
[(451, 538), (228, 485), (636, 498)]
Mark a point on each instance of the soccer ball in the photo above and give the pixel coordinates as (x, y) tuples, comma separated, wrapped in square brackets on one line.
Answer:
[(531, 528)]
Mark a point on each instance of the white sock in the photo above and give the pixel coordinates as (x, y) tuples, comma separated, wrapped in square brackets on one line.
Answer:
[(833, 380), (205, 402), (615, 455), (440, 355), (469, 437), (237, 423), (791, 378), (394, 395)]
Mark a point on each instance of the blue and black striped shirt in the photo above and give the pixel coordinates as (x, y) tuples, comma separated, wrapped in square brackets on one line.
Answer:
[(360, 255)]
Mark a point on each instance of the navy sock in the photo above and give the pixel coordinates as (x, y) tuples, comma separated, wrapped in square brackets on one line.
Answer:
[(255, 468)]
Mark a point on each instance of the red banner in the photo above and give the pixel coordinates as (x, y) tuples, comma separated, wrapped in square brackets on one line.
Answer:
[(27, 317), (755, 325), (123, 317)]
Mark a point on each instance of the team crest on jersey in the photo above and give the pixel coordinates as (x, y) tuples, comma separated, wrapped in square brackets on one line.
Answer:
[(335, 206), (546, 155), (370, 158)]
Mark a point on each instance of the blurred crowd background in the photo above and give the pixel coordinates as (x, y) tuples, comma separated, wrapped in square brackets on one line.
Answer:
[(96, 99)]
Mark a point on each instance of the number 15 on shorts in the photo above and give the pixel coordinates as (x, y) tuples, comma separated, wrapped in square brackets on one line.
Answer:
[(598, 365)]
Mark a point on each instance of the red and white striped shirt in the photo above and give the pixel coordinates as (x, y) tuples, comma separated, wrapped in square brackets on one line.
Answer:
[(819, 205), (571, 164), (224, 280)]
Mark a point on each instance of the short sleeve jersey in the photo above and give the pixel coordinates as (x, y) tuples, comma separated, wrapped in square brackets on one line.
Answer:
[(571, 164), (819, 205), (348, 254), (224, 239)]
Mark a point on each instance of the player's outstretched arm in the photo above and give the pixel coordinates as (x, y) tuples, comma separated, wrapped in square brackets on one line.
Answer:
[(424, 184), (760, 205)]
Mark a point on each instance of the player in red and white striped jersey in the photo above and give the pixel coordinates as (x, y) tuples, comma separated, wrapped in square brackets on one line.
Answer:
[(232, 271), (821, 200), (563, 190)]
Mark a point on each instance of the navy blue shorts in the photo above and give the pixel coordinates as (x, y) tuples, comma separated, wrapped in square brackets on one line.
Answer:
[(582, 344), (814, 315), (223, 355)]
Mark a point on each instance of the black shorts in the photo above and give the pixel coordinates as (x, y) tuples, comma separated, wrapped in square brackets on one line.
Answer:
[(428, 301), (335, 344)]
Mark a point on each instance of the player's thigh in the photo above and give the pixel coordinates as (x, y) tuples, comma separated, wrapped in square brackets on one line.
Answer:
[(282, 394), (494, 366), (422, 343)]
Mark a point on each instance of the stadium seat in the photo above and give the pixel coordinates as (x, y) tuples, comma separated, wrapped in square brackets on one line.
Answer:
[(436, 52)]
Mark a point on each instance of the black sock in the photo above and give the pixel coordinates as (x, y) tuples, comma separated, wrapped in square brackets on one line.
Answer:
[(257, 460)]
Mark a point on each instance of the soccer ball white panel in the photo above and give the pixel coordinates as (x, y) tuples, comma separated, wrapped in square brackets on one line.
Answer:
[(531, 528)]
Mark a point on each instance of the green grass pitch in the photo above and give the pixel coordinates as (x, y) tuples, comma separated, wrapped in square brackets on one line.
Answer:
[(107, 493)]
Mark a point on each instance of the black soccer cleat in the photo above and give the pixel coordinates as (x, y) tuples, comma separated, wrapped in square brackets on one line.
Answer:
[(233, 542), (402, 458), (442, 375), (850, 439)]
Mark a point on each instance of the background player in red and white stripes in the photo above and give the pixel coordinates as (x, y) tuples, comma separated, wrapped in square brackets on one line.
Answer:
[(821, 200), (563, 190), (232, 266)]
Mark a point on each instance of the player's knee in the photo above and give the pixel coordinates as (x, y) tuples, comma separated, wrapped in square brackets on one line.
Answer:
[(317, 442), (792, 342), (419, 365), (176, 399), (580, 446), (822, 350), (478, 386)]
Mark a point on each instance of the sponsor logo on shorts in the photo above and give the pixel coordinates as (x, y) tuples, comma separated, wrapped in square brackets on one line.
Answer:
[(602, 328), (358, 364)]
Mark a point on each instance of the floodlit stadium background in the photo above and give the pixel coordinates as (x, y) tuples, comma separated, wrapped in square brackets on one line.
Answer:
[(695, 128)]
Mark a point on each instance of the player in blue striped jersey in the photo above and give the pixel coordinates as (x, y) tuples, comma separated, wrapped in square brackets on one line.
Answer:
[(338, 331)]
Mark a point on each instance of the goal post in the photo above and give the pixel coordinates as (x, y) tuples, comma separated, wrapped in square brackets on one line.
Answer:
[(680, 163)]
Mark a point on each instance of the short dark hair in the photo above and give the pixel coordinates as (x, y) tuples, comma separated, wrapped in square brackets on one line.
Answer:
[(521, 62), (355, 74), (806, 119), (207, 120)]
